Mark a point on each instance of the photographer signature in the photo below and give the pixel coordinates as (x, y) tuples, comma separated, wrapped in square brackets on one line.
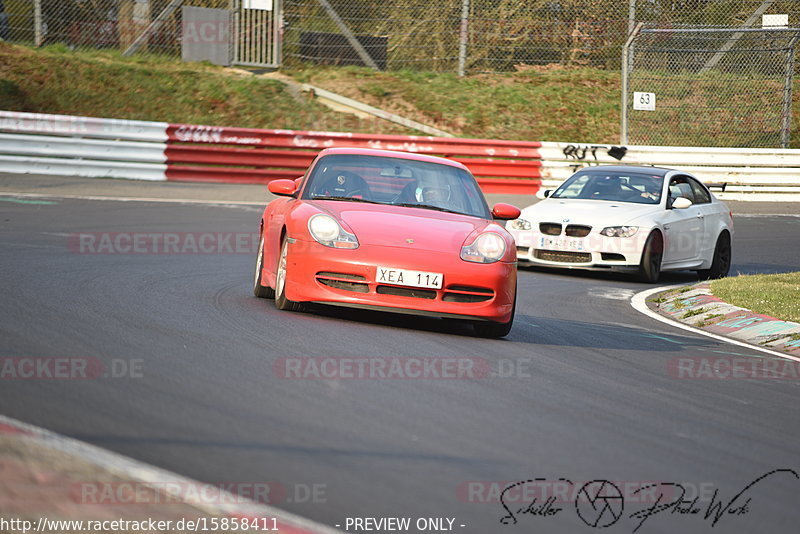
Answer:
[(600, 503)]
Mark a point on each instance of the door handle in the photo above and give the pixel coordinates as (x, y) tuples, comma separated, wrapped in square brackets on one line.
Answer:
[(666, 227), (700, 216)]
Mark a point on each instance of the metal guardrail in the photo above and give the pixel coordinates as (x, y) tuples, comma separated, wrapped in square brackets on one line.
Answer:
[(751, 173), (84, 146), (94, 147)]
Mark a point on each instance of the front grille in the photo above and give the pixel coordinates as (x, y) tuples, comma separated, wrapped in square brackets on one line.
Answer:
[(550, 228), (563, 256), (612, 256), (341, 276), (576, 230), (406, 292), (467, 294), (347, 286), (344, 281)]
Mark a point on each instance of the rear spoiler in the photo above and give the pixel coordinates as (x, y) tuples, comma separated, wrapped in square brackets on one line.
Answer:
[(720, 187)]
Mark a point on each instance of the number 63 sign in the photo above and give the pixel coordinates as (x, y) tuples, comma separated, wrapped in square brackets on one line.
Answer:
[(644, 101)]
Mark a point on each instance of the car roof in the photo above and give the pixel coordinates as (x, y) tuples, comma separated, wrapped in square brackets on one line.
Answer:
[(644, 169), (392, 154)]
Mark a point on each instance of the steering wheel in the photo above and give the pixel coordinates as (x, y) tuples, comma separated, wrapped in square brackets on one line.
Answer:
[(347, 184)]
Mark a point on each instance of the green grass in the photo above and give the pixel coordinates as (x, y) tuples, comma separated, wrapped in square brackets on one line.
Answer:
[(709, 320), (777, 295), (692, 313), (539, 103), (146, 87), (535, 103)]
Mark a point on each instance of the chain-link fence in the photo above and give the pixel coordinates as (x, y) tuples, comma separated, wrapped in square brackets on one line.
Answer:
[(100, 24), (465, 36), (469, 36), (704, 60), (709, 86)]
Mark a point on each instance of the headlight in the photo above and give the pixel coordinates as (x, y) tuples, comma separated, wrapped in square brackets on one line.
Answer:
[(326, 231), (619, 231), (520, 224), (487, 248)]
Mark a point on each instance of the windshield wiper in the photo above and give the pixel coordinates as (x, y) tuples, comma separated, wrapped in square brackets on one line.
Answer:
[(346, 199), (428, 207)]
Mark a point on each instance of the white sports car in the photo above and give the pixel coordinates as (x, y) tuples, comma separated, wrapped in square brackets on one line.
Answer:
[(625, 218)]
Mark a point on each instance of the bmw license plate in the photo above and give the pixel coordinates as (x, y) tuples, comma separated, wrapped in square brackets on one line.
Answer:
[(405, 277), (561, 243)]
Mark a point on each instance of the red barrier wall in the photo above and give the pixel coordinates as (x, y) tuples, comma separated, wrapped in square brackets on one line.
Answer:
[(244, 155)]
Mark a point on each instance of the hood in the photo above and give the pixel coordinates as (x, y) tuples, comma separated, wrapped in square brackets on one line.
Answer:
[(393, 226), (588, 212)]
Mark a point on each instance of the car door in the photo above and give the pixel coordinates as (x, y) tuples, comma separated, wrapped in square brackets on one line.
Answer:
[(707, 212), (684, 229)]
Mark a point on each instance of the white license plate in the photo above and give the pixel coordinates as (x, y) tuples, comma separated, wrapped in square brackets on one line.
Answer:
[(561, 243), (405, 277)]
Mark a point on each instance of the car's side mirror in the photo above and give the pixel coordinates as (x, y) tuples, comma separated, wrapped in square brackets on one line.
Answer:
[(283, 188), (681, 203), (547, 193), (505, 212)]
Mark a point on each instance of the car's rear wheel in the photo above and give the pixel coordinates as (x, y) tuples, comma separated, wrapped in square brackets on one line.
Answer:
[(281, 302), (495, 330), (652, 255), (721, 263), (260, 290)]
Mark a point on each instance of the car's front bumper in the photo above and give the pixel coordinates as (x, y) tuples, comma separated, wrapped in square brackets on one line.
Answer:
[(320, 274), (593, 252)]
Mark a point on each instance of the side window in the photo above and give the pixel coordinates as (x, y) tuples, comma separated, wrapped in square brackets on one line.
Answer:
[(701, 194), (679, 187)]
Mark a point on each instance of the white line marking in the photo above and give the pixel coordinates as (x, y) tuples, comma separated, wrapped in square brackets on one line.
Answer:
[(148, 474), (137, 199), (639, 303)]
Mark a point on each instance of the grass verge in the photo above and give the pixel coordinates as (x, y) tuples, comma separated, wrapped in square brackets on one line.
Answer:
[(777, 295), (102, 83)]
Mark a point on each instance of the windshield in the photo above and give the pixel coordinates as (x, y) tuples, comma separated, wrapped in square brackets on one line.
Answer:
[(398, 182), (615, 186)]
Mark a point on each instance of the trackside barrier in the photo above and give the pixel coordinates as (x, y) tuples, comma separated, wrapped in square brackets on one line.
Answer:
[(245, 155), (35, 143), (762, 174), (95, 147)]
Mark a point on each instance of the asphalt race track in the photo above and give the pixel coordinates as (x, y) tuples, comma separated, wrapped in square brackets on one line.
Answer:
[(589, 398)]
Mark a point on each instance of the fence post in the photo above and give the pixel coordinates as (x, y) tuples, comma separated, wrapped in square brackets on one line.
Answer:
[(464, 35), (623, 130), (786, 116), (38, 37)]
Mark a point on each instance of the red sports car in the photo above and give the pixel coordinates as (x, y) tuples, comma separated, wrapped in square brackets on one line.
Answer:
[(389, 231)]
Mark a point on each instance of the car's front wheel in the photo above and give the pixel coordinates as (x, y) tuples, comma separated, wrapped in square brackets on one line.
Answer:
[(281, 302), (495, 330), (652, 255), (721, 263), (260, 290)]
